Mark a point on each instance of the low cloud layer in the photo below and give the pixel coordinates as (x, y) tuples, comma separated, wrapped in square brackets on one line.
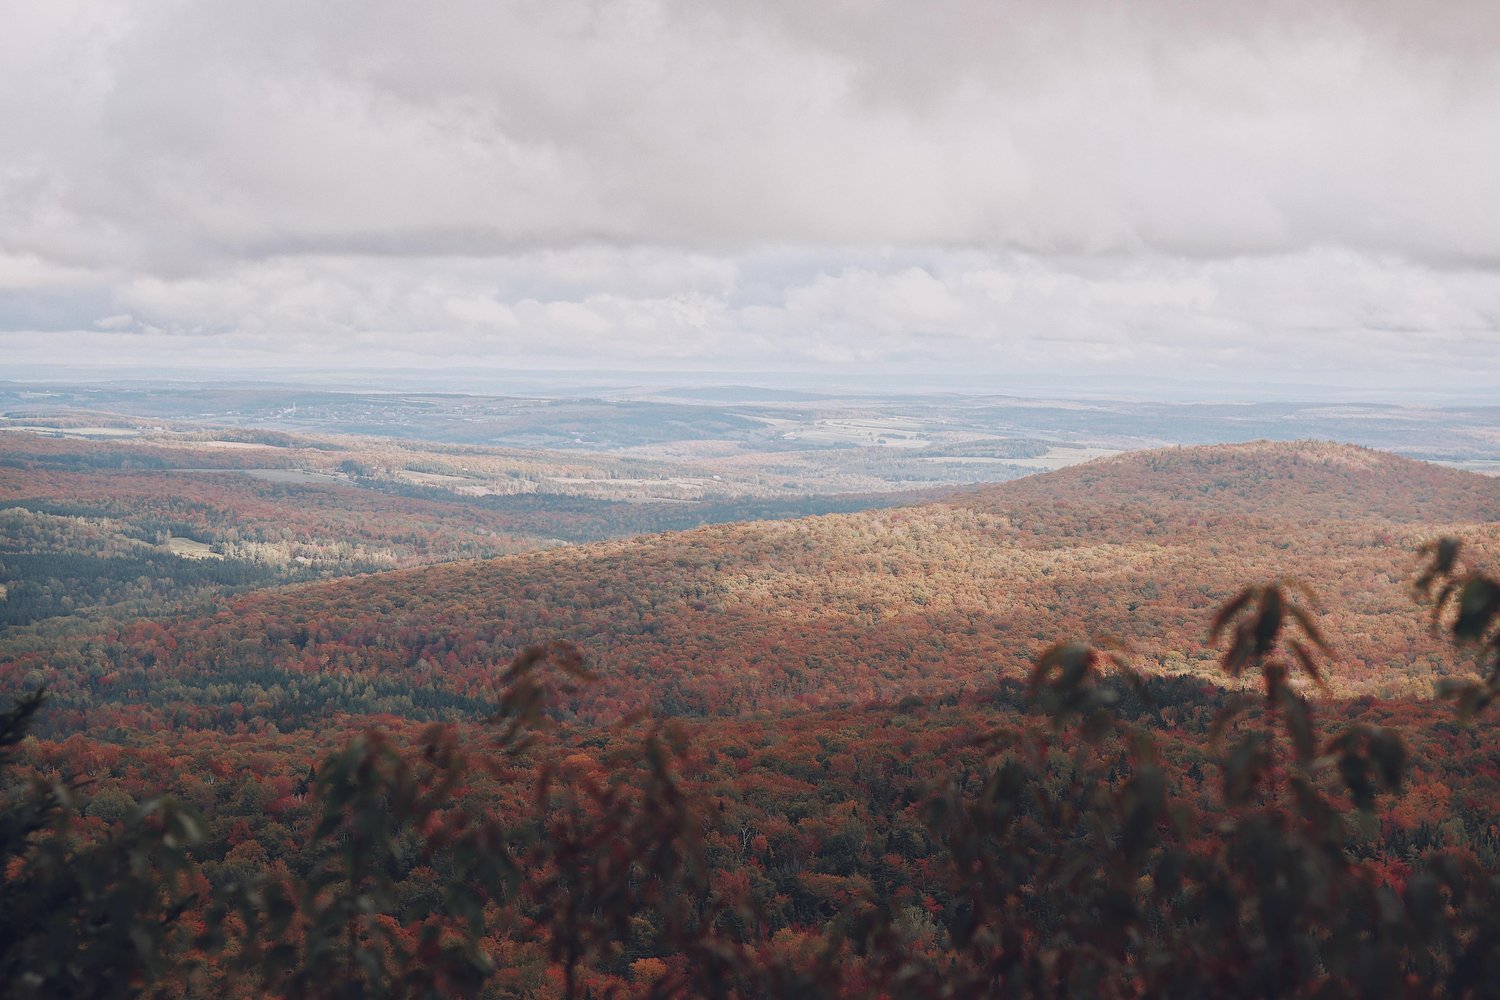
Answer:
[(1227, 188)]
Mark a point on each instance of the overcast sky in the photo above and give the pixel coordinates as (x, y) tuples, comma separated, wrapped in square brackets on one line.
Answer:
[(1200, 190)]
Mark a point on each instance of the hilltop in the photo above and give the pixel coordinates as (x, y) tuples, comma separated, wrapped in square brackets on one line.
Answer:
[(1298, 479), (772, 616)]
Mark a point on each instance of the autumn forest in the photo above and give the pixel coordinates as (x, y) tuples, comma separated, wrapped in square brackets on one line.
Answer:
[(1187, 721)]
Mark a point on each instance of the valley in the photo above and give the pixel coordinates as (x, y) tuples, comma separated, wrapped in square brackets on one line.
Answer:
[(284, 484), (211, 609)]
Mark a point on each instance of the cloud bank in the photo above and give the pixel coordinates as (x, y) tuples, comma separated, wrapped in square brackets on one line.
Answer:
[(1211, 187)]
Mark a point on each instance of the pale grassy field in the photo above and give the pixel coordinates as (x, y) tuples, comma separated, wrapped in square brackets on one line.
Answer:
[(190, 549)]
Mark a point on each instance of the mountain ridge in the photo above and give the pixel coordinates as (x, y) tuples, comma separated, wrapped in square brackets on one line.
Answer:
[(837, 609), (1257, 475)]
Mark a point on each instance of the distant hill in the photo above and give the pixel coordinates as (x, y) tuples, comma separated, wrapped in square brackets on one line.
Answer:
[(97, 526), (737, 619), (1279, 478)]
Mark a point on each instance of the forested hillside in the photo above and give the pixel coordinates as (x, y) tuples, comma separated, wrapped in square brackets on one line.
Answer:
[(129, 526), (866, 723), (842, 609)]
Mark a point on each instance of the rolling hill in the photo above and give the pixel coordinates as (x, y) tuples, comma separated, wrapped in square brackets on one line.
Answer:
[(145, 519), (851, 744), (775, 616)]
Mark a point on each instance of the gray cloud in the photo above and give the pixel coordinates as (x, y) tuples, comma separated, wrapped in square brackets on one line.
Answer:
[(825, 184), (1315, 315)]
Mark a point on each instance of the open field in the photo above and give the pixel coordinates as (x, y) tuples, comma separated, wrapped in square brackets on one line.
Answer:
[(1481, 466), (689, 446), (190, 549), (75, 432), (1053, 458), (687, 424)]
